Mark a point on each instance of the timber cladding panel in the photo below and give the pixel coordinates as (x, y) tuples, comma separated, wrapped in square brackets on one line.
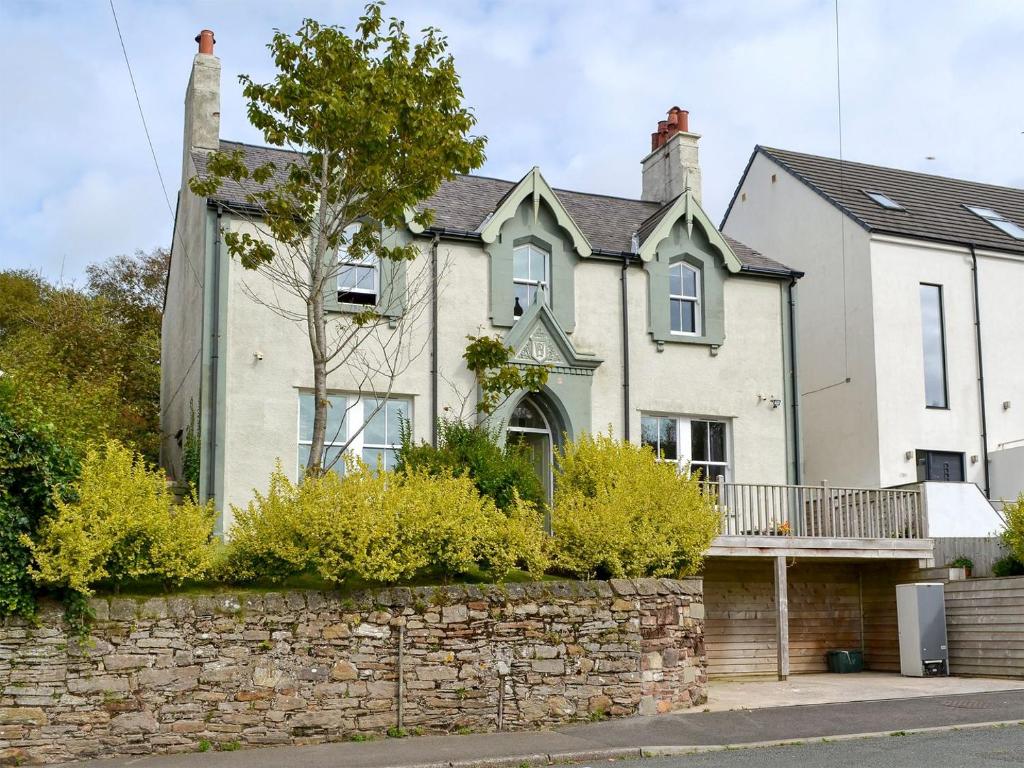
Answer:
[(831, 606), (985, 626)]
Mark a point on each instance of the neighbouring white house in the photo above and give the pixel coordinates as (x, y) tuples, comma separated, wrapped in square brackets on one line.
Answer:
[(910, 326), (655, 325)]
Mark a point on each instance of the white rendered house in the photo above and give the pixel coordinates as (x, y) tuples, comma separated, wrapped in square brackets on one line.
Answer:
[(910, 325)]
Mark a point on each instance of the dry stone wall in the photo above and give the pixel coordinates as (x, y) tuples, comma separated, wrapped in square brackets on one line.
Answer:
[(182, 673)]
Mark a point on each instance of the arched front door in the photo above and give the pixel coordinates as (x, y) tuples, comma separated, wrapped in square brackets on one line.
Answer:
[(529, 427)]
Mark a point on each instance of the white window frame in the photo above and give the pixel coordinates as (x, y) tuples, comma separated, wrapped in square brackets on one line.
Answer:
[(367, 261), (684, 441), (695, 299), (354, 402), (530, 281)]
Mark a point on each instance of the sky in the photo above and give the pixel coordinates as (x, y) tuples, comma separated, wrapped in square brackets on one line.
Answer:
[(574, 87)]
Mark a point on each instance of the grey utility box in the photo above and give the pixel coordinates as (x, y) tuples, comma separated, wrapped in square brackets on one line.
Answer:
[(921, 612)]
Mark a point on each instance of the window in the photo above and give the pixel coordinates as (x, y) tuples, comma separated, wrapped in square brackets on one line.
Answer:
[(997, 220), (684, 299), (884, 200), (382, 436), (701, 443), (358, 276), (529, 272), (934, 343), (378, 440), (335, 437), (940, 465)]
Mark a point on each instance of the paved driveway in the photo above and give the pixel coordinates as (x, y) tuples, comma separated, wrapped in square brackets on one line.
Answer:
[(725, 695)]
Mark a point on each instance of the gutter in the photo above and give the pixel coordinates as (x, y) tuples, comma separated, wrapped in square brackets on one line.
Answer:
[(433, 340), (981, 369), (625, 347), (211, 452), (794, 385)]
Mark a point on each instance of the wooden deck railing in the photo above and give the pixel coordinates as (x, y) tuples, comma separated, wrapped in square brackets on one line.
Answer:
[(756, 509)]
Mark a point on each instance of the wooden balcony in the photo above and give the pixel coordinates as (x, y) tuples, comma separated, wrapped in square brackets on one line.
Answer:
[(760, 520)]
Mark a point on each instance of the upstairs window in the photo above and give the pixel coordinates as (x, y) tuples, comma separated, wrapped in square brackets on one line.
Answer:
[(933, 340), (530, 271), (358, 276), (684, 299), (998, 221), (884, 200)]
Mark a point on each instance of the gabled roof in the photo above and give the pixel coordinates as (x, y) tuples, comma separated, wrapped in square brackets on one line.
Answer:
[(555, 347), (933, 206), (462, 204)]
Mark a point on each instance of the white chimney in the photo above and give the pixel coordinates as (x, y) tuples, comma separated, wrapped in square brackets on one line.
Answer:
[(673, 164), (202, 99)]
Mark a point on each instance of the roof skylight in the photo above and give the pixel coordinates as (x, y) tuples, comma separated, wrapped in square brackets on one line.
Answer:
[(884, 200), (997, 220)]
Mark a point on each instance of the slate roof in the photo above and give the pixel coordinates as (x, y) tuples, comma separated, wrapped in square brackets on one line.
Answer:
[(462, 204), (934, 205)]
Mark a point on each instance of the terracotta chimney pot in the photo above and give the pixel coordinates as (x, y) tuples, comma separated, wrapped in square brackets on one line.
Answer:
[(206, 41)]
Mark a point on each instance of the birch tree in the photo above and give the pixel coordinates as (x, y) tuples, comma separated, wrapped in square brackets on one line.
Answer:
[(377, 123)]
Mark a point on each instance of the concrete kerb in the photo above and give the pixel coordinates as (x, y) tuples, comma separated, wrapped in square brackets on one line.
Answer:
[(621, 753), (671, 751)]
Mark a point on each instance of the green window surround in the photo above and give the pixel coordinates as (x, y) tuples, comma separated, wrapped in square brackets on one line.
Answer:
[(378, 283)]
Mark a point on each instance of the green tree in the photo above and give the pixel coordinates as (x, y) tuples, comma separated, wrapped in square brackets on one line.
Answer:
[(89, 358), (379, 124)]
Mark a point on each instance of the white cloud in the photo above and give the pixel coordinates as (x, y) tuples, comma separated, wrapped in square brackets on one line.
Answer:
[(573, 87)]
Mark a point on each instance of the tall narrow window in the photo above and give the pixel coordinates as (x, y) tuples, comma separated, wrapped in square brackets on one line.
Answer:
[(529, 272), (684, 299), (934, 342), (707, 449), (358, 276), (335, 436)]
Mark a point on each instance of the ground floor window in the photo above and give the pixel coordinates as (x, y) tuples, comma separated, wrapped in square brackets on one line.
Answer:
[(683, 440), (378, 440)]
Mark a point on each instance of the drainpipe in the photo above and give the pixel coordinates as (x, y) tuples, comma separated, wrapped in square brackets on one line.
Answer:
[(433, 340), (794, 384), (625, 351), (211, 453), (981, 367)]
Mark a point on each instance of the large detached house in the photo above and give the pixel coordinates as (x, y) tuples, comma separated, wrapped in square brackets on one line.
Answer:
[(910, 325), (654, 324)]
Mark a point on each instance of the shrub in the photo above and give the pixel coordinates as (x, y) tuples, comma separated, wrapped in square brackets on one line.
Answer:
[(35, 467), (381, 527), (500, 472), (1013, 532), (1008, 566), (123, 526), (619, 512)]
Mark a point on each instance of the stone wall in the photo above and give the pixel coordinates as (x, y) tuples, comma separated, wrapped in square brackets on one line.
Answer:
[(183, 673)]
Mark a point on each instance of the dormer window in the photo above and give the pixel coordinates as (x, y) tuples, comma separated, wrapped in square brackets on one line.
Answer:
[(884, 200), (358, 276), (684, 299), (998, 221), (530, 271)]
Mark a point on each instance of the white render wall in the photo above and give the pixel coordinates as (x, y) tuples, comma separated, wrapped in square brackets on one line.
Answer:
[(261, 422), (788, 222)]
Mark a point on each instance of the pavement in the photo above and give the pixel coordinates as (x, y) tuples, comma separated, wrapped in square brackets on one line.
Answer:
[(622, 738), (725, 694)]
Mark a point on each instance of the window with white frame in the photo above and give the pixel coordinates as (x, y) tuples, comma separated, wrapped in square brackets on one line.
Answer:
[(684, 299), (378, 441), (529, 272), (700, 443), (358, 276)]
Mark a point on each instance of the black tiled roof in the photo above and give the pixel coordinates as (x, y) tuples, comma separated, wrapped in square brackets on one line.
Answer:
[(933, 205), (463, 203)]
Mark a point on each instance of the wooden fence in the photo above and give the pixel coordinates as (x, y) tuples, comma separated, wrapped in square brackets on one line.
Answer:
[(982, 550), (985, 626), (757, 509)]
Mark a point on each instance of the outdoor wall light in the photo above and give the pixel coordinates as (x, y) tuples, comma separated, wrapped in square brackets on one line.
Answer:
[(257, 355), (909, 455)]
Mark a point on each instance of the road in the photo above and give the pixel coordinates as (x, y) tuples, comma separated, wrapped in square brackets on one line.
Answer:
[(998, 747)]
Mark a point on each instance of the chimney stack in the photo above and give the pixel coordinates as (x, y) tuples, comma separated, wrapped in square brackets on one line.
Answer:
[(202, 102), (673, 164)]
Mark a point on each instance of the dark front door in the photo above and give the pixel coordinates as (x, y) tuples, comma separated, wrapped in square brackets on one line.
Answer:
[(940, 465)]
